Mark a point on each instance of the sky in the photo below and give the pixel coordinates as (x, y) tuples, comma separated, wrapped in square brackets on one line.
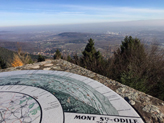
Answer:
[(60, 12)]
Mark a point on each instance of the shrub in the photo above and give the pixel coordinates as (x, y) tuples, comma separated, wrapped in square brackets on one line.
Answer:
[(2, 64), (41, 58), (69, 58)]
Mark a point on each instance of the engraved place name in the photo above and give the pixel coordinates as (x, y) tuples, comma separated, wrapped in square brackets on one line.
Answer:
[(105, 119), (84, 117)]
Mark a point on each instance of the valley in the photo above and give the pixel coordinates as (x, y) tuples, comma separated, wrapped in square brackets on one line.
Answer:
[(46, 42)]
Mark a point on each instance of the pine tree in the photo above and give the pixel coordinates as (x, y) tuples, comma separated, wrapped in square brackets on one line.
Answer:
[(90, 50), (57, 54), (91, 58), (129, 63)]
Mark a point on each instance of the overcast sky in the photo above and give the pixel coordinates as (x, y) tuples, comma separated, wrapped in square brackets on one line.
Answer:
[(56, 12)]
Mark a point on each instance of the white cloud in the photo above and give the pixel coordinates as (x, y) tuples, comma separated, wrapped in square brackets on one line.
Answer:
[(113, 8), (59, 14), (142, 10)]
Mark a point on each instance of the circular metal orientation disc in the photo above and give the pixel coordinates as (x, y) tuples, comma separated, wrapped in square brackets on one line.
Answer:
[(37, 96)]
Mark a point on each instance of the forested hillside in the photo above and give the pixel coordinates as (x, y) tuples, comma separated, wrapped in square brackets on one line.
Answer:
[(132, 64), (7, 56), (14, 59)]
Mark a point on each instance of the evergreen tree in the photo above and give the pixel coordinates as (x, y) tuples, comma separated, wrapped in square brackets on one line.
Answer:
[(2, 64), (89, 50), (76, 59), (135, 67), (129, 63), (41, 58), (91, 58), (98, 56), (69, 58), (57, 54)]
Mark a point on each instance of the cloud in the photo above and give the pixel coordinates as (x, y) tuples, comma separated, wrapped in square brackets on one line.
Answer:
[(142, 10), (60, 13), (36, 7), (113, 8)]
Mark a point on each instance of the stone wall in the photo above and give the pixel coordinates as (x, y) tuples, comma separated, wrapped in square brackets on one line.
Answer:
[(150, 108)]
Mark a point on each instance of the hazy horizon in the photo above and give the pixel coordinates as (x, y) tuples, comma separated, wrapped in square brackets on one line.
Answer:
[(90, 27)]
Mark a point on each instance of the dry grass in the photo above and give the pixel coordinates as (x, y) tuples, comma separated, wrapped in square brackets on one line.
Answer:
[(17, 61)]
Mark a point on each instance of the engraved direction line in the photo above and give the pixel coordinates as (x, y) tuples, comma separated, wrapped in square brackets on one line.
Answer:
[(19, 87), (28, 71), (89, 82), (98, 87), (34, 90), (32, 73), (7, 87), (123, 110), (71, 75), (115, 99), (2, 87), (51, 72), (53, 102), (73, 78), (23, 89), (84, 80), (67, 74), (60, 73), (11, 86), (112, 96), (42, 94), (36, 118), (49, 96), (106, 92)]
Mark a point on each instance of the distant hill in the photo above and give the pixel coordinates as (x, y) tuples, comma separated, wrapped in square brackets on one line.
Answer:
[(74, 34), (9, 56)]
